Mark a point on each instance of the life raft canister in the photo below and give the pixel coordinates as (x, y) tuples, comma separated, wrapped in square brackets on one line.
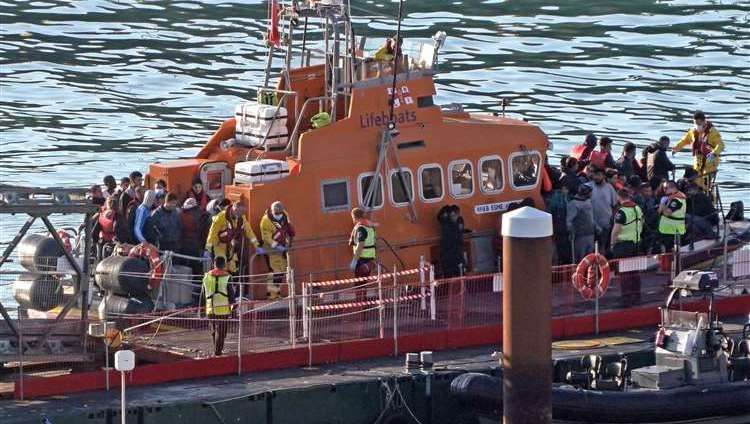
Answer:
[(149, 252), (585, 275)]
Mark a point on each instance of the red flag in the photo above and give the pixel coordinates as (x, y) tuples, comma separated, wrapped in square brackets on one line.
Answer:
[(274, 38)]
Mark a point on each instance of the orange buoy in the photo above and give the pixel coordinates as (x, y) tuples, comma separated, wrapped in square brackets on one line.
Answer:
[(149, 252), (584, 276)]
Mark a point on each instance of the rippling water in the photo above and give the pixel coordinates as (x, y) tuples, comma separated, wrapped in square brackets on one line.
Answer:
[(95, 87)]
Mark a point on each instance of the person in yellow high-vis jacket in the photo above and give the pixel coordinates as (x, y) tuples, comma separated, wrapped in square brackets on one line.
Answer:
[(706, 145), (216, 292), (231, 235), (276, 232)]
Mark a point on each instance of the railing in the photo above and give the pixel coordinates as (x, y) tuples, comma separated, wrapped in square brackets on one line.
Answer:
[(388, 306)]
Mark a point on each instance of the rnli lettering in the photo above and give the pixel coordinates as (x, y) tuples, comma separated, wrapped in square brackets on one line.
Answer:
[(381, 120), (493, 207)]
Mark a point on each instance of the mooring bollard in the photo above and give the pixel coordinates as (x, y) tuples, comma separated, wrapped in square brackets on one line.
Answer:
[(527, 311)]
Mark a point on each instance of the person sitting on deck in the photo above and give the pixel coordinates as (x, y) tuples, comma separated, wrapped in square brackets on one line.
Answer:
[(218, 298), (231, 236), (276, 232)]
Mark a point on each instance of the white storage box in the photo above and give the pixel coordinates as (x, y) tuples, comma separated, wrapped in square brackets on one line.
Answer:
[(255, 120), (260, 171)]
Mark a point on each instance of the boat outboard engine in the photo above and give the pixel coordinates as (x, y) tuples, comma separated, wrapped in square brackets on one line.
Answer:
[(586, 379)]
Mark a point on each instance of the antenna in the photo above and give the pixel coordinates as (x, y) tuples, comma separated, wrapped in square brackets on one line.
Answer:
[(396, 58)]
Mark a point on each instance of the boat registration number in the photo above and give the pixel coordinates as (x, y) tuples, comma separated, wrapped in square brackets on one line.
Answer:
[(493, 207)]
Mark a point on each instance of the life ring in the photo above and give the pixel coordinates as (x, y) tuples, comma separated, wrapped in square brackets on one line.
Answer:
[(149, 252), (583, 277)]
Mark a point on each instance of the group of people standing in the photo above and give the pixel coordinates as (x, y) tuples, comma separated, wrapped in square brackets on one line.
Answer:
[(629, 206)]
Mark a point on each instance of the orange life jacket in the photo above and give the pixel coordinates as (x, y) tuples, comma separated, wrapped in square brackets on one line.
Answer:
[(578, 151)]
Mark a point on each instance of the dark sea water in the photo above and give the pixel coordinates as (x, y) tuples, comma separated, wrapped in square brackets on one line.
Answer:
[(89, 88)]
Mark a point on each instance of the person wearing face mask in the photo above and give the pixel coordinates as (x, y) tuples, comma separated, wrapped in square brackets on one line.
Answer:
[(706, 146), (276, 233), (167, 223), (231, 236)]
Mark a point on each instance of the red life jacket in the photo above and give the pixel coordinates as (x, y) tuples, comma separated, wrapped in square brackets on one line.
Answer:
[(700, 145), (232, 232), (107, 225), (598, 158)]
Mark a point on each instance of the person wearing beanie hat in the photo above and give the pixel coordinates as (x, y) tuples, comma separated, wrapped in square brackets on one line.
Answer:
[(580, 222)]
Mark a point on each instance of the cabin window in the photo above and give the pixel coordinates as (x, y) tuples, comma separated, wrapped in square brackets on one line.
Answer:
[(462, 178), (491, 177), (376, 202), (335, 195), (431, 182), (524, 168), (402, 193)]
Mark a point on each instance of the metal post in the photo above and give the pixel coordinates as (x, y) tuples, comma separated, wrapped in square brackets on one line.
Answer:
[(239, 330), (381, 304), (725, 277), (527, 311), (596, 290), (395, 314), (422, 289), (106, 347), (123, 410), (309, 338), (20, 353), (83, 280), (433, 301), (292, 306)]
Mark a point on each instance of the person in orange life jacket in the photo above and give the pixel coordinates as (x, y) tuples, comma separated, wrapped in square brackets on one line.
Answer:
[(231, 236), (363, 241), (219, 299), (198, 193), (111, 186), (625, 240), (706, 146), (276, 233), (581, 152), (602, 158), (627, 164), (672, 210)]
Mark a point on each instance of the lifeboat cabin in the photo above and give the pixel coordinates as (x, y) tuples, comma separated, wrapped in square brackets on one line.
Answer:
[(321, 143)]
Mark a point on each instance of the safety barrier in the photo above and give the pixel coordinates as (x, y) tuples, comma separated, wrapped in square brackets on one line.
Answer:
[(388, 311)]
